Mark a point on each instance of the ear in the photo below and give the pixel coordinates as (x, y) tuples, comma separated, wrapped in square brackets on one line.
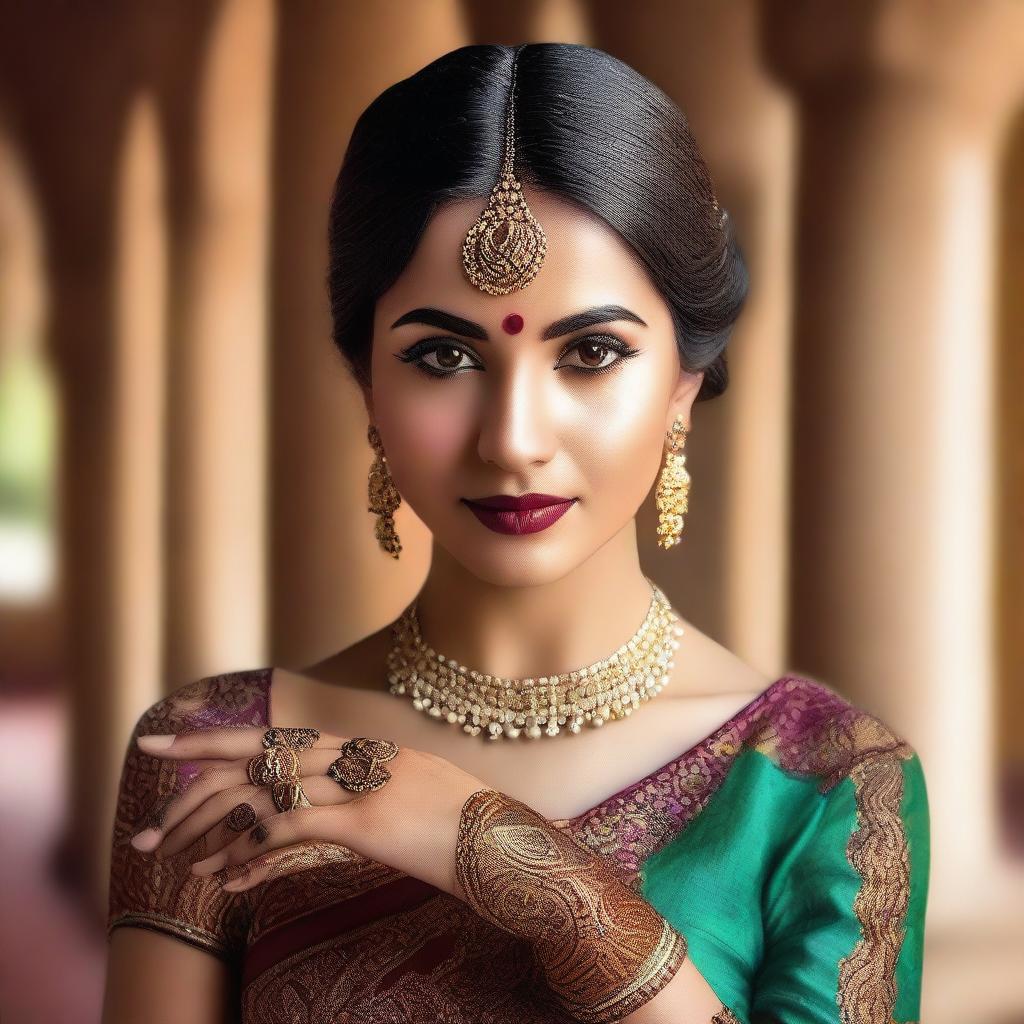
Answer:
[(683, 395)]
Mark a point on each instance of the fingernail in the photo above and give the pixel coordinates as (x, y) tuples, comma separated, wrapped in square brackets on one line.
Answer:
[(146, 840), (158, 741)]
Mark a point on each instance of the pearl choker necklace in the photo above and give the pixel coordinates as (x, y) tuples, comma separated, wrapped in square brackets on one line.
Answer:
[(609, 689)]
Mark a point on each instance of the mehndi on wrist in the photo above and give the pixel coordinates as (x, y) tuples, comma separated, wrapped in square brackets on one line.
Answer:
[(604, 950)]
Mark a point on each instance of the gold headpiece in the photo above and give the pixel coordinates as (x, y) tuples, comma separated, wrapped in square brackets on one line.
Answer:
[(506, 246)]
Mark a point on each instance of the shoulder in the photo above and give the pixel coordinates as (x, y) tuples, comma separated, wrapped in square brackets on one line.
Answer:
[(227, 699), (809, 728), (164, 895), (148, 783), (846, 891)]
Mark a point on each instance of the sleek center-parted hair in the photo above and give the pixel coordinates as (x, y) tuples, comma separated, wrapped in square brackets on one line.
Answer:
[(588, 129)]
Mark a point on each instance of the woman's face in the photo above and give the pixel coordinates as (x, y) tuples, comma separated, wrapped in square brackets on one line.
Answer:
[(470, 404)]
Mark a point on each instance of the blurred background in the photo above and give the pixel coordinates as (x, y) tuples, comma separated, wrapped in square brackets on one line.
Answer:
[(183, 461)]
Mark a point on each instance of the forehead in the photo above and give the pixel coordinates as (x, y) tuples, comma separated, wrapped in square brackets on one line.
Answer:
[(587, 264)]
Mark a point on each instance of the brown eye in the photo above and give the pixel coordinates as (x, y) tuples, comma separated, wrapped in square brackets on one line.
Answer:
[(593, 353), (437, 358), (447, 356)]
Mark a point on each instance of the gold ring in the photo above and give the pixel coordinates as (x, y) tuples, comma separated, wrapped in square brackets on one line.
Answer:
[(360, 768), (275, 764), (296, 739), (288, 796)]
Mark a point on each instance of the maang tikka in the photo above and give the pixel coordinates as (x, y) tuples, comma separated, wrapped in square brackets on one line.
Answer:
[(502, 253), (673, 489), (505, 247)]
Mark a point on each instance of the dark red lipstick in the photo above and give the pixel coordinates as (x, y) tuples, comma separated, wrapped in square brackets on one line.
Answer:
[(519, 513)]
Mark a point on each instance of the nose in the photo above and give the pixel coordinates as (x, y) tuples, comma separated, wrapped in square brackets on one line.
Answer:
[(516, 422)]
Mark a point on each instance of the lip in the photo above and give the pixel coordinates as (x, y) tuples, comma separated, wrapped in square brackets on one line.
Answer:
[(527, 513), (518, 502)]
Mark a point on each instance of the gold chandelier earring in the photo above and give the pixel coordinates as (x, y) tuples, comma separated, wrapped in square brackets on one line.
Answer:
[(384, 496), (673, 487)]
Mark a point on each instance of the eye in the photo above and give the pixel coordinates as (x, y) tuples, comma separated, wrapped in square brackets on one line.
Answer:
[(594, 350), (443, 357), (447, 356)]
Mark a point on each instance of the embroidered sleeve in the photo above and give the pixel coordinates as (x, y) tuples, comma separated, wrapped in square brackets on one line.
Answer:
[(164, 895), (845, 906)]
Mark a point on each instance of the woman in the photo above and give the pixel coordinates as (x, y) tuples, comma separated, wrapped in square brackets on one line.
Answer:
[(532, 281)]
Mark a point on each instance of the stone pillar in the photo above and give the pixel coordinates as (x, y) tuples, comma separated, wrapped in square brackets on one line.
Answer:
[(1010, 417), (79, 212), (730, 574), (331, 583), (902, 108), (218, 404), (139, 412)]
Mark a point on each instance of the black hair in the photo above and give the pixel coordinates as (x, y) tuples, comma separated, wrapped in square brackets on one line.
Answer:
[(588, 129)]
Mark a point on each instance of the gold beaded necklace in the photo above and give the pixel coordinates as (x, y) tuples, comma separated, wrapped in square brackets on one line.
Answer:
[(508, 708)]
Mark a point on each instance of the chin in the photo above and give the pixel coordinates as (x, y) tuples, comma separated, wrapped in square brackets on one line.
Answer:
[(526, 561)]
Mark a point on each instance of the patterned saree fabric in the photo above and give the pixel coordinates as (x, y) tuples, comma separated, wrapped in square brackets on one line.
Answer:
[(790, 847)]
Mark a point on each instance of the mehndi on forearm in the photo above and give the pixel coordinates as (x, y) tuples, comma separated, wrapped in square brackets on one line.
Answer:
[(604, 950)]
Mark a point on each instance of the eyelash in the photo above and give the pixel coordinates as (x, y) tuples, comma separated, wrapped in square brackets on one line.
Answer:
[(415, 353)]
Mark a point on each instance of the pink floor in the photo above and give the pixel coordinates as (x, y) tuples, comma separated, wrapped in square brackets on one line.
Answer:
[(52, 957)]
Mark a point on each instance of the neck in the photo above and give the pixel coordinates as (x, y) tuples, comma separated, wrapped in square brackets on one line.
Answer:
[(536, 629)]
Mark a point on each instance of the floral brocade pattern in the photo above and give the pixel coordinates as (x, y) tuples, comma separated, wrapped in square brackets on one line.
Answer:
[(800, 724), (165, 895), (352, 940), (879, 852)]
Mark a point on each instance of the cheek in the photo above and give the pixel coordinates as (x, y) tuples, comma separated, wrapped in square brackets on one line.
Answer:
[(438, 434), (424, 442), (618, 441)]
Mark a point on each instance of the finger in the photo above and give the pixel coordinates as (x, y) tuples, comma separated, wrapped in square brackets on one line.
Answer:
[(220, 777), (223, 815), (288, 860), (224, 743), (220, 819), (320, 822)]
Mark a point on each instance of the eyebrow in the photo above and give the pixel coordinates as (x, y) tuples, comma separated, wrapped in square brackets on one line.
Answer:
[(566, 325)]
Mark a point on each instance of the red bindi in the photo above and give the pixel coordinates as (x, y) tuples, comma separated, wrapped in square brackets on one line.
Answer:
[(512, 324)]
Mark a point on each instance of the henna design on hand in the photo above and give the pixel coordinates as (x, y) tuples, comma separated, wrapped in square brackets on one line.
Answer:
[(604, 949)]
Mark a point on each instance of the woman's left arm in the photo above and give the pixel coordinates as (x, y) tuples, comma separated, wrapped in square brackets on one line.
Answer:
[(844, 910)]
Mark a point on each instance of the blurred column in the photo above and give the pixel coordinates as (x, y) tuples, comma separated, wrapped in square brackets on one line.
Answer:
[(730, 574), (903, 106), (218, 408), (1010, 456), (79, 211), (106, 265), (138, 407), (331, 583)]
